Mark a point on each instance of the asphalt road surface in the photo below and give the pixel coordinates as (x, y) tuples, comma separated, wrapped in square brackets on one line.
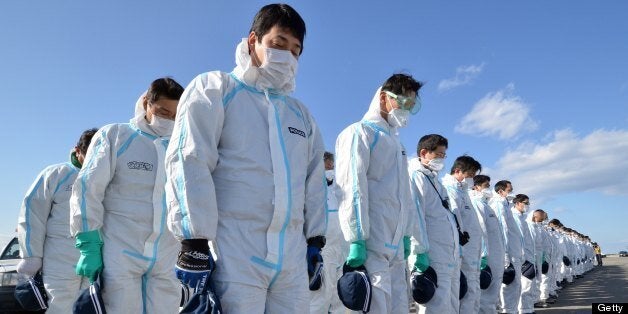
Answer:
[(605, 284)]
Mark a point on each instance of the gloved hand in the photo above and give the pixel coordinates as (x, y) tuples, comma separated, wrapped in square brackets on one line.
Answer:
[(90, 263), (506, 260), (483, 262), (422, 262), (315, 261), (406, 247), (29, 266), (357, 254), (194, 262)]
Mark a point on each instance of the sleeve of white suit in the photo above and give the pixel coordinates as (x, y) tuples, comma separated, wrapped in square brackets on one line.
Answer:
[(88, 191), (315, 186), (453, 205), (422, 244), (191, 158), (36, 206), (480, 210), (498, 208), (352, 163)]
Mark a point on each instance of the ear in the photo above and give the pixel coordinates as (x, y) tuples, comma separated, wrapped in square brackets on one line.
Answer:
[(251, 41), (145, 102), (422, 152), (382, 101)]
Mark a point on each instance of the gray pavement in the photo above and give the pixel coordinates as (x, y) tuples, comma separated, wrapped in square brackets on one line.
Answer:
[(605, 284)]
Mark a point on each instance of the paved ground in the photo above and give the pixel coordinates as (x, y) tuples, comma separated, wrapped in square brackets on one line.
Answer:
[(606, 284)]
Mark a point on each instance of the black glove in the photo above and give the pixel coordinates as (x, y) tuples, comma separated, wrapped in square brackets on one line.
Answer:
[(194, 262), (315, 261)]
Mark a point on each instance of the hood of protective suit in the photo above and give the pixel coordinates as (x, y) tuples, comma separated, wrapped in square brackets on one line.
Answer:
[(374, 114), (139, 120), (249, 73), (415, 165)]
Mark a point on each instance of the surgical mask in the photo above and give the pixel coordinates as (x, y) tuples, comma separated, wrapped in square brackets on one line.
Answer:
[(161, 126), (436, 164), (329, 174), (468, 182), (278, 71), (398, 118), (486, 193), (526, 208)]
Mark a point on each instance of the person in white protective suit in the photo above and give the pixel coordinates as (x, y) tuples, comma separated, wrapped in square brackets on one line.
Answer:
[(377, 214), (245, 171), (542, 248), (521, 205), (480, 195), (326, 300), (458, 182), (44, 230), (444, 254), (119, 208), (509, 294)]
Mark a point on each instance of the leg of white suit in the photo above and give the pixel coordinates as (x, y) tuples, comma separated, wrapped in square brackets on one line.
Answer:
[(445, 299), (60, 280), (510, 294), (162, 288), (490, 297), (526, 303), (471, 301)]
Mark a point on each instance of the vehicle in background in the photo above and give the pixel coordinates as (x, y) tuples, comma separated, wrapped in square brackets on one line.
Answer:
[(623, 254), (9, 258)]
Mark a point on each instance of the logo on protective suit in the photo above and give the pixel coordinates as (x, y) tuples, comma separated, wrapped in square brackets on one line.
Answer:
[(68, 188), (140, 165), (296, 131)]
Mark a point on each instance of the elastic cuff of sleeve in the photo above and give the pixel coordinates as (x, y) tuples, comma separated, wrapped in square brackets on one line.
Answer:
[(318, 241), (200, 245)]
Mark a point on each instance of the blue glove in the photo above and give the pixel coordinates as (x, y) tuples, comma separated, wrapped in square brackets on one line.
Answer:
[(315, 261), (194, 263), (90, 263)]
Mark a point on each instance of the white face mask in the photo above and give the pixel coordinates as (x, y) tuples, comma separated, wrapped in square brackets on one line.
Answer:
[(278, 71), (329, 174), (436, 164), (526, 208), (487, 193), (398, 118), (162, 126)]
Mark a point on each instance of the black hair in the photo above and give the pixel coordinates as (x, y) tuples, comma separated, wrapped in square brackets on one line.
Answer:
[(85, 139), (501, 185), (520, 198), (164, 87), (555, 222), (281, 15), (328, 156), (431, 143), (480, 179), (466, 163), (402, 84)]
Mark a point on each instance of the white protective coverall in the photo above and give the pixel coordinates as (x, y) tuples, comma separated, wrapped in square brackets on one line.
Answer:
[(496, 250), (120, 190), (44, 232), (460, 204), (509, 294), (542, 249), (245, 169), (444, 250), (326, 300), (376, 204), (526, 303), (556, 258)]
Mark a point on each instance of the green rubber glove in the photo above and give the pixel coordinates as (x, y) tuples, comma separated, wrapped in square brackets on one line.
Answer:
[(422, 262), (406, 247), (90, 263), (483, 262), (357, 253)]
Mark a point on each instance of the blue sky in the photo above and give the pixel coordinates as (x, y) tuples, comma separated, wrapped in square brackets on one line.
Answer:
[(537, 91)]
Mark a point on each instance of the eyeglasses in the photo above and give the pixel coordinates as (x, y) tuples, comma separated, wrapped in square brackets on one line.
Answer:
[(439, 154), (407, 103)]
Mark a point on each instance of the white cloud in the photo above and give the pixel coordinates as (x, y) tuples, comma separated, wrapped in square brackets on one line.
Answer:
[(565, 163), (464, 75), (500, 114)]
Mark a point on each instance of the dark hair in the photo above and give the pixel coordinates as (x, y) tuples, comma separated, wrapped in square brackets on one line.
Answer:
[(85, 139), (555, 222), (281, 15), (164, 87), (519, 198), (431, 143), (401, 84), (480, 179), (328, 156), (539, 211), (466, 163), (501, 185)]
